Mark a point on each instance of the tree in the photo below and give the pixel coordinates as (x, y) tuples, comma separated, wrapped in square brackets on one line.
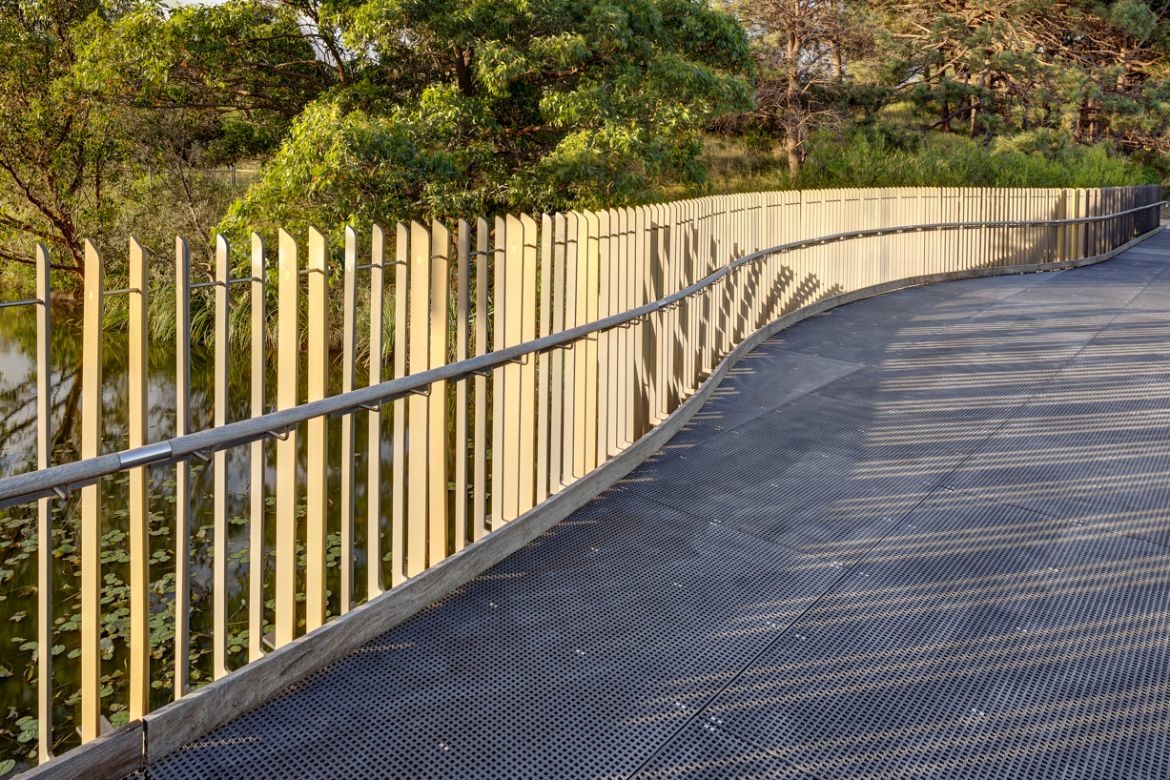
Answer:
[(202, 88), (58, 146), (97, 94), (1088, 71), (242, 58), (463, 106), (800, 49)]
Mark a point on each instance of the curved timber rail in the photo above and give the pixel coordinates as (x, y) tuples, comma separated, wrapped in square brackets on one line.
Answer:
[(640, 314)]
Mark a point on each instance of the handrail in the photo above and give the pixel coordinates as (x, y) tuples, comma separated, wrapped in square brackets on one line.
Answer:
[(26, 302), (60, 479)]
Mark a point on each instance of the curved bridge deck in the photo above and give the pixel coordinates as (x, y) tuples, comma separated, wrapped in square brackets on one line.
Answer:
[(924, 535)]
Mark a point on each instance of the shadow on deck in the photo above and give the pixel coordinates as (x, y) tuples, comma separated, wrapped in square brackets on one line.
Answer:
[(924, 535)]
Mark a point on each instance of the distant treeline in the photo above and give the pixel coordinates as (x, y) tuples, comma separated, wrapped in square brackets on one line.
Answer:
[(117, 114)]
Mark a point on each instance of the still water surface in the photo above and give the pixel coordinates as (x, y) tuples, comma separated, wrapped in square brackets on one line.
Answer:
[(18, 543)]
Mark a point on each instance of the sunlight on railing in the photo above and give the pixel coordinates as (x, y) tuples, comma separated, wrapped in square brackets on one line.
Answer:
[(525, 352)]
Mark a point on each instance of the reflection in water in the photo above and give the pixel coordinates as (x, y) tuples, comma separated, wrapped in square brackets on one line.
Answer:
[(18, 541)]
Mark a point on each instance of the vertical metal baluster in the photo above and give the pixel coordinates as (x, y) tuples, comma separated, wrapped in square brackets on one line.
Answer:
[(656, 264), (1058, 210), (1082, 228), (498, 308), (1094, 227), (374, 419), (348, 360), (625, 252), (722, 251), (219, 608), (704, 265), (589, 410), (623, 339), (479, 493), (462, 312), (402, 276), (581, 351), (527, 371), (1099, 228), (616, 339), (182, 468), (692, 305), (511, 269), (608, 407), (639, 240), (317, 466), (557, 420), (673, 328), (44, 518), (735, 299), (661, 322), (572, 356), (287, 354), (542, 410), (436, 402), (91, 527), (139, 350), (256, 514), (966, 237), (416, 461)]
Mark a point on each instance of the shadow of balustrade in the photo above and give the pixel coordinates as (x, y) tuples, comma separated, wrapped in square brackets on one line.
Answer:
[(918, 536)]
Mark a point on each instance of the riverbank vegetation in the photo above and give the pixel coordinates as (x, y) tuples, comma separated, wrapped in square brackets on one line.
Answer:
[(144, 118)]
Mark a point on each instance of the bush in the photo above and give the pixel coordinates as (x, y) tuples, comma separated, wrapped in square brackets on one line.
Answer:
[(886, 157)]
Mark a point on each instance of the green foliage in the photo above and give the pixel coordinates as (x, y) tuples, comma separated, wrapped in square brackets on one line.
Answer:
[(483, 106), (1095, 71), (1133, 18), (886, 155), (244, 67), (347, 162), (886, 91), (121, 114), (114, 108), (58, 146), (961, 162)]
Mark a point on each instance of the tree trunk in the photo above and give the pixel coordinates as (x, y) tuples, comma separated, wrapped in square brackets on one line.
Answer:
[(792, 147), (793, 105), (463, 72), (973, 102)]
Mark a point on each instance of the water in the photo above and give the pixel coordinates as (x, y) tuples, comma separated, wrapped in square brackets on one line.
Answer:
[(18, 541)]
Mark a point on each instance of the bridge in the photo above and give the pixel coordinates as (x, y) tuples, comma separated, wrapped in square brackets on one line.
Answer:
[(926, 534), (900, 524)]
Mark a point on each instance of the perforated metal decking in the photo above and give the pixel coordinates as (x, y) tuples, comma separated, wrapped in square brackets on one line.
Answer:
[(925, 535)]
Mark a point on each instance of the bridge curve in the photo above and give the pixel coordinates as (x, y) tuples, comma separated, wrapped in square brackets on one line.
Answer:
[(920, 535)]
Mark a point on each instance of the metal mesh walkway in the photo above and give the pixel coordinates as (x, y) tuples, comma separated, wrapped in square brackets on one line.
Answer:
[(924, 535)]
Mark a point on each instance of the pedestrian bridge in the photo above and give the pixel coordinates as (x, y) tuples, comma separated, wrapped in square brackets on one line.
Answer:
[(880, 501), (922, 535)]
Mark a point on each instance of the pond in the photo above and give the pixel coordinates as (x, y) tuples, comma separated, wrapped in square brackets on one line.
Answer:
[(18, 542)]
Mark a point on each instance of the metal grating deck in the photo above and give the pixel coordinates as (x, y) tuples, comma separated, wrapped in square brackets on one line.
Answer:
[(936, 548)]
